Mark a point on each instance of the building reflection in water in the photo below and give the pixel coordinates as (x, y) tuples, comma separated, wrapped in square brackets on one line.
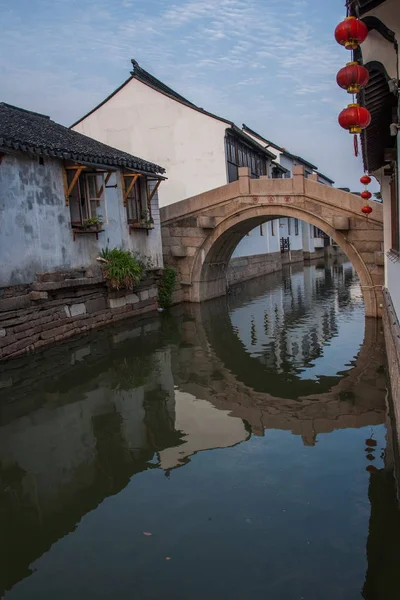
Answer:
[(78, 421)]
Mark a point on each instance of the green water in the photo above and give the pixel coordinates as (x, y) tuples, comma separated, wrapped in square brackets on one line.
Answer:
[(249, 436)]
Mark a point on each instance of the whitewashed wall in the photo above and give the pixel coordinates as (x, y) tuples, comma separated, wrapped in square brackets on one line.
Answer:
[(254, 243), (35, 224), (187, 143)]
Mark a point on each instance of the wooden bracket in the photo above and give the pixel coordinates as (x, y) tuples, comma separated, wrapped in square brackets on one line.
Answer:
[(99, 192), (127, 190), (150, 198), (68, 188)]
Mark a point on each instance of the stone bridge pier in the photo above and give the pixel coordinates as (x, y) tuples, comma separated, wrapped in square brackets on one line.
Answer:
[(200, 233)]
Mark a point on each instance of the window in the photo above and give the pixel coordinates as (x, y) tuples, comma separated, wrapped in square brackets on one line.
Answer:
[(239, 154), (136, 201), (289, 226), (85, 195), (276, 173), (272, 227), (394, 202), (296, 227), (261, 230)]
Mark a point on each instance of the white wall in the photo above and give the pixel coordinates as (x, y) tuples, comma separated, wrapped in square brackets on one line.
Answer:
[(255, 243), (296, 241), (188, 144), (35, 225)]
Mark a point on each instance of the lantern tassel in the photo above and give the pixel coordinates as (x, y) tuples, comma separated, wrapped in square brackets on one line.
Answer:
[(355, 145)]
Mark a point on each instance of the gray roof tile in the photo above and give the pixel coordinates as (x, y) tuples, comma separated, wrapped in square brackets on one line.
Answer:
[(32, 132)]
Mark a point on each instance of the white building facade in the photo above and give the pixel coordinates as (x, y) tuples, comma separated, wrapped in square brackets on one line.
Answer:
[(200, 151), (64, 198), (381, 155)]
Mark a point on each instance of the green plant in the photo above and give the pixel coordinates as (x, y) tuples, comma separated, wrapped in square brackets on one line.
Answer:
[(93, 221), (146, 218), (166, 287), (120, 268), (146, 262)]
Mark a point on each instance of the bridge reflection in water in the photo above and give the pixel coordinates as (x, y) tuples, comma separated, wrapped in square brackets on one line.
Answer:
[(105, 416)]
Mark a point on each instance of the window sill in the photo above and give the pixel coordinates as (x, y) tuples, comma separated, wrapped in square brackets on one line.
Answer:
[(144, 226), (76, 230)]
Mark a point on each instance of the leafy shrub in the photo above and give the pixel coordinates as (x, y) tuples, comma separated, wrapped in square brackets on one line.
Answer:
[(166, 288), (121, 269)]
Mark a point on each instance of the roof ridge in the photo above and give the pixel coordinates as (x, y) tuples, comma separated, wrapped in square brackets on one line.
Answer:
[(139, 72), (25, 110)]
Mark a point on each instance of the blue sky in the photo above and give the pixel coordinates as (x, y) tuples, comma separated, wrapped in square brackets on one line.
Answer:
[(270, 64)]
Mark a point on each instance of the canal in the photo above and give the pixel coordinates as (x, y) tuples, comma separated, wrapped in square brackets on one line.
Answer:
[(235, 449)]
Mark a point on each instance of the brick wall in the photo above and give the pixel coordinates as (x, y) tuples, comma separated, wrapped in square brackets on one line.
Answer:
[(61, 305)]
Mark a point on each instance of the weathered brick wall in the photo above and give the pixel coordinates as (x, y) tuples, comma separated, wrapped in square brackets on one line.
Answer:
[(61, 305), (248, 267)]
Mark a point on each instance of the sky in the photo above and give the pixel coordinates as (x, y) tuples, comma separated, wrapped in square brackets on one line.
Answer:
[(270, 64)]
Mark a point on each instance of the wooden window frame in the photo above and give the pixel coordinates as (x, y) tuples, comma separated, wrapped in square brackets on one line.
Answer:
[(289, 227), (83, 198), (239, 154), (296, 227)]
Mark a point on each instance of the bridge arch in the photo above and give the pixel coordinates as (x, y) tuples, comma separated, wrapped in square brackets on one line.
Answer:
[(201, 233), (208, 275)]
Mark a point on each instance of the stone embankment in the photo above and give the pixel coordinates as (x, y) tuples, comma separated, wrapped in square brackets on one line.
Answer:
[(60, 305)]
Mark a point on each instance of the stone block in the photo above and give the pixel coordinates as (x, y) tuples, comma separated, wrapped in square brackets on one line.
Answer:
[(117, 302), (77, 309), (178, 251), (36, 296), (379, 258), (144, 295), (153, 292), (132, 299), (96, 304), (2, 333), (67, 311), (57, 331), (341, 223), (206, 222), (14, 303)]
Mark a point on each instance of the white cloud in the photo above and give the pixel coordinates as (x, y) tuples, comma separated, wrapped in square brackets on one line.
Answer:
[(248, 60)]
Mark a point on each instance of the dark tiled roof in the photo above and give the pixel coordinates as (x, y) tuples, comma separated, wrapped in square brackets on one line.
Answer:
[(31, 132), (146, 77), (279, 167), (360, 7), (248, 140), (325, 177), (279, 148)]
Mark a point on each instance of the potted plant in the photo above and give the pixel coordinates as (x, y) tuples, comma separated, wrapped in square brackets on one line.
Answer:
[(147, 219), (93, 224)]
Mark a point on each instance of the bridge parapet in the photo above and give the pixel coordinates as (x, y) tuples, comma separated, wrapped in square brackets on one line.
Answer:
[(200, 233)]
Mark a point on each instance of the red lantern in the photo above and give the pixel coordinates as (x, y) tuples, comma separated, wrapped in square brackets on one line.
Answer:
[(352, 77), (365, 179), (366, 195), (367, 210), (351, 32), (354, 118)]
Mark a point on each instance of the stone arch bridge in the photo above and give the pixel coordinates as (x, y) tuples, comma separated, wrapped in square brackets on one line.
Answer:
[(200, 233)]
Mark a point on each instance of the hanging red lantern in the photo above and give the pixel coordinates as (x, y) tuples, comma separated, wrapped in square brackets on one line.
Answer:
[(352, 77), (351, 32), (367, 210), (366, 195), (365, 179), (354, 118)]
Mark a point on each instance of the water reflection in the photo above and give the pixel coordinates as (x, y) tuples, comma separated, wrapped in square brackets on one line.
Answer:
[(208, 399)]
